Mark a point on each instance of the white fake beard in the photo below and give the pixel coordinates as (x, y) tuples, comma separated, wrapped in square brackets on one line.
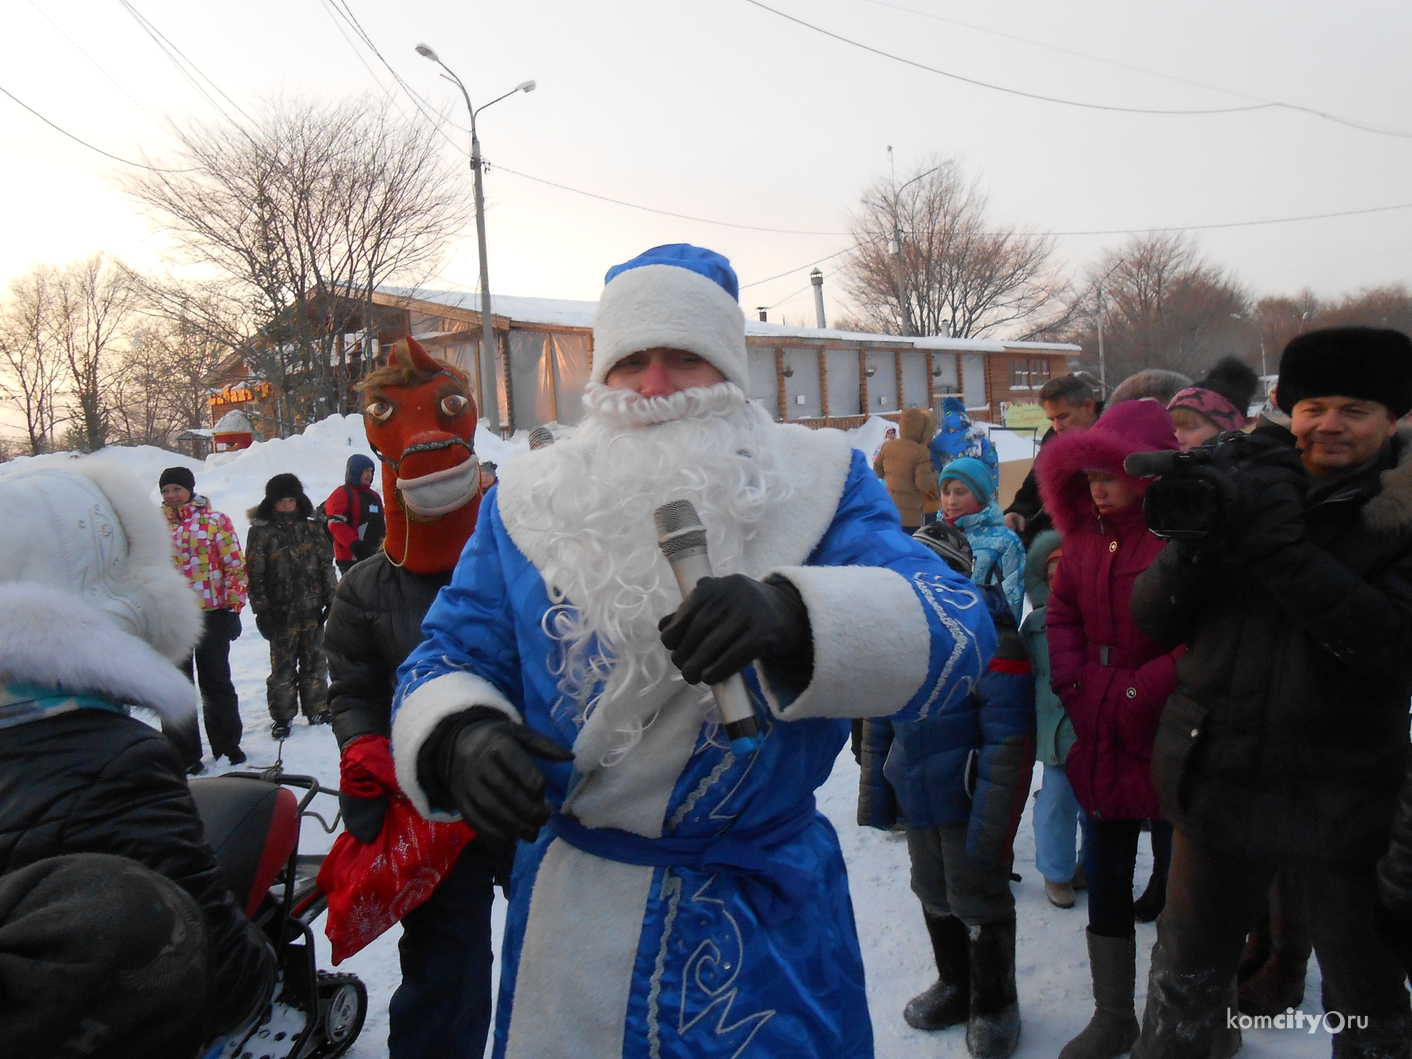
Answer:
[(607, 578)]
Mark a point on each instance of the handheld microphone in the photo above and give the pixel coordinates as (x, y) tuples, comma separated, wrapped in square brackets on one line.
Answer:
[(682, 539)]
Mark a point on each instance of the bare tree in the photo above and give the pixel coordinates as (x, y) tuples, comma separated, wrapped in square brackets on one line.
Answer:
[(303, 212), (963, 274), (62, 333), (90, 309), (29, 371), (164, 386), (1163, 306)]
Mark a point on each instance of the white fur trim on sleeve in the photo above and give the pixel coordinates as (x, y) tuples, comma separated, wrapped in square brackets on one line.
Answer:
[(426, 707), (872, 645)]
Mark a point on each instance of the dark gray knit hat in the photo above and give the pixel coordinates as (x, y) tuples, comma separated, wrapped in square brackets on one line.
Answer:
[(181, 476)]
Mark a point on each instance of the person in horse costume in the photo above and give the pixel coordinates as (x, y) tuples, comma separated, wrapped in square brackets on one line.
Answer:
[(420, 420)]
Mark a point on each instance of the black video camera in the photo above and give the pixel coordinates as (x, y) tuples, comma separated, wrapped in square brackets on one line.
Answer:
[(1183, 504)]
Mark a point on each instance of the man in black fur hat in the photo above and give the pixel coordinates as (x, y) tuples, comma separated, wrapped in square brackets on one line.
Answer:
[(1285, 743)]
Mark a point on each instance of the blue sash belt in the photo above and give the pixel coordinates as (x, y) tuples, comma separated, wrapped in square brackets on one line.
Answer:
[(773, 889)]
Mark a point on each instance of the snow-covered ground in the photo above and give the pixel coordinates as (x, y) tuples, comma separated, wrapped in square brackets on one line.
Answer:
[(1052, 964)]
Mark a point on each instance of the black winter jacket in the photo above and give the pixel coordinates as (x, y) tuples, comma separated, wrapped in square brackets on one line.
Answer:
[(1288, 732), (375, 622), (1395, 870), (92, 781)]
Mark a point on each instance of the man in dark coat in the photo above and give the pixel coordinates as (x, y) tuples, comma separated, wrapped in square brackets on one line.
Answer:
[(1069, 403), (1286, 741), (355, 516)]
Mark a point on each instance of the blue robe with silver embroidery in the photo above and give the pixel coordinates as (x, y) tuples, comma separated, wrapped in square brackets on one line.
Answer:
[(710, 978)]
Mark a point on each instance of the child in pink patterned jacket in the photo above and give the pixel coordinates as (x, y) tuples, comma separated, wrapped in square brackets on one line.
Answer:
[(208, 553)]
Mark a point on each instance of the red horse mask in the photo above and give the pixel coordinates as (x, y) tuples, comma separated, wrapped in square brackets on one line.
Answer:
[(421, 423)]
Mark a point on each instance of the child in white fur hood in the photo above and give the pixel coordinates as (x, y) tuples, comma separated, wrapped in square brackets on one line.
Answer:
[(114, 916)]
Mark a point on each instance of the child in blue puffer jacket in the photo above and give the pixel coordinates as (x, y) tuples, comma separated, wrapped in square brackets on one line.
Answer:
[(968, 503), (960, 779)]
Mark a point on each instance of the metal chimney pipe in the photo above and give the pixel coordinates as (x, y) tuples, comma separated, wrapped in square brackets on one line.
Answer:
[(817, 279)]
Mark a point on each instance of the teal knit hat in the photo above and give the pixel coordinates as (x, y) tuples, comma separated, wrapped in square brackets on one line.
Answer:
[(974, 475)]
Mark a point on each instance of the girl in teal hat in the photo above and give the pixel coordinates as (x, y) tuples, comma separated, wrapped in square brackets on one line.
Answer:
[(967, 502)]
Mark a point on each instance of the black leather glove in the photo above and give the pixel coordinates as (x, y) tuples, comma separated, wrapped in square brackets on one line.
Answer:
[(362, 817), (230, 626), (728, 622), (361, 549), (269, 624), (486, 767)]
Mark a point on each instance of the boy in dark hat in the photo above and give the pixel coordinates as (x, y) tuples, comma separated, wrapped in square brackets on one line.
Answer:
[(291, 588), (1284, 746)]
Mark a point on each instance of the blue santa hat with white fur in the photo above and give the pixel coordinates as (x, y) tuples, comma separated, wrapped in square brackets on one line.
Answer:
[(676, 296)]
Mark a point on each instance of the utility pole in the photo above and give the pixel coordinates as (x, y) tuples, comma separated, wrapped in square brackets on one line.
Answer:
[(895, 247), (489, 375), (1102, 361), (817, 279)]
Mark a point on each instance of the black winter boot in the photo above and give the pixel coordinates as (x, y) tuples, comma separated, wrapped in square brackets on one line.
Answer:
[(1181, 1015), (1226, 1039), (948, 1001), (1113, 1028), (993, 1028), (1149, 906)]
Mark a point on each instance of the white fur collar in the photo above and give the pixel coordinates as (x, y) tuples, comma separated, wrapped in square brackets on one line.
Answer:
[(814, 463), (52, 638)]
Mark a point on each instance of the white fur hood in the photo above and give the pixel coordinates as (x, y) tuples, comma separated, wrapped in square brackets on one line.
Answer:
[(53, 639)]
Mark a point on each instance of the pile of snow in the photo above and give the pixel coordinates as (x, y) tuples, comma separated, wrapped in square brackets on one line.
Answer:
[(235, 481)]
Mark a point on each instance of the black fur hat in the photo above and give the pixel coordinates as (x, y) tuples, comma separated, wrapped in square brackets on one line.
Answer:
[(1234, 380), (1364, 363), (283, 487)]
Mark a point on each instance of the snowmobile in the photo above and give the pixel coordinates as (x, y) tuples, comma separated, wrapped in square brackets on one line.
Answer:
[(252, 822)]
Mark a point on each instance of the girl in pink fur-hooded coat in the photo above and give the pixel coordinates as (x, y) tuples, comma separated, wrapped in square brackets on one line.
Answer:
[(1113, 681)]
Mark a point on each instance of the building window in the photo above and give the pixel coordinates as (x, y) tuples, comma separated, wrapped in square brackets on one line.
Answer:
[(1028, 373)]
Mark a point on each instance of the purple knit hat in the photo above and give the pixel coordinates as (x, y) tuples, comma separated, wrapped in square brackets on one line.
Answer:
[(1210, 404)]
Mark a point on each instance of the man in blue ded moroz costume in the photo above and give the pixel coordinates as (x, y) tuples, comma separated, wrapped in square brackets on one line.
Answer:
[(673, 897)]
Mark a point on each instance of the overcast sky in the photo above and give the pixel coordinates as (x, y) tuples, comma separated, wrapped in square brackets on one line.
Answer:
[(722, 110)]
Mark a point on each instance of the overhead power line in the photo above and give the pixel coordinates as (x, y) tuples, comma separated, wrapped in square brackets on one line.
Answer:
[(993, 87), (1142, 69), (1267, 105), (801, 268), (79, 140), (97, 65), (1241, 224), (184, 65), (665, 213)]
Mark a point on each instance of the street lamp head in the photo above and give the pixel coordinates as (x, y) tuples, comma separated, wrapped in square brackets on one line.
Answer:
[(525, 86), (426, 53)]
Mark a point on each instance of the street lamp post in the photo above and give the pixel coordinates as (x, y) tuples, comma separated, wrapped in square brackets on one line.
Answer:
[(490, 376), (908, 328)]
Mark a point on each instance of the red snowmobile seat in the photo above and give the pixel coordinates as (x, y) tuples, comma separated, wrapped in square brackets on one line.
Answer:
[(252, 827)]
